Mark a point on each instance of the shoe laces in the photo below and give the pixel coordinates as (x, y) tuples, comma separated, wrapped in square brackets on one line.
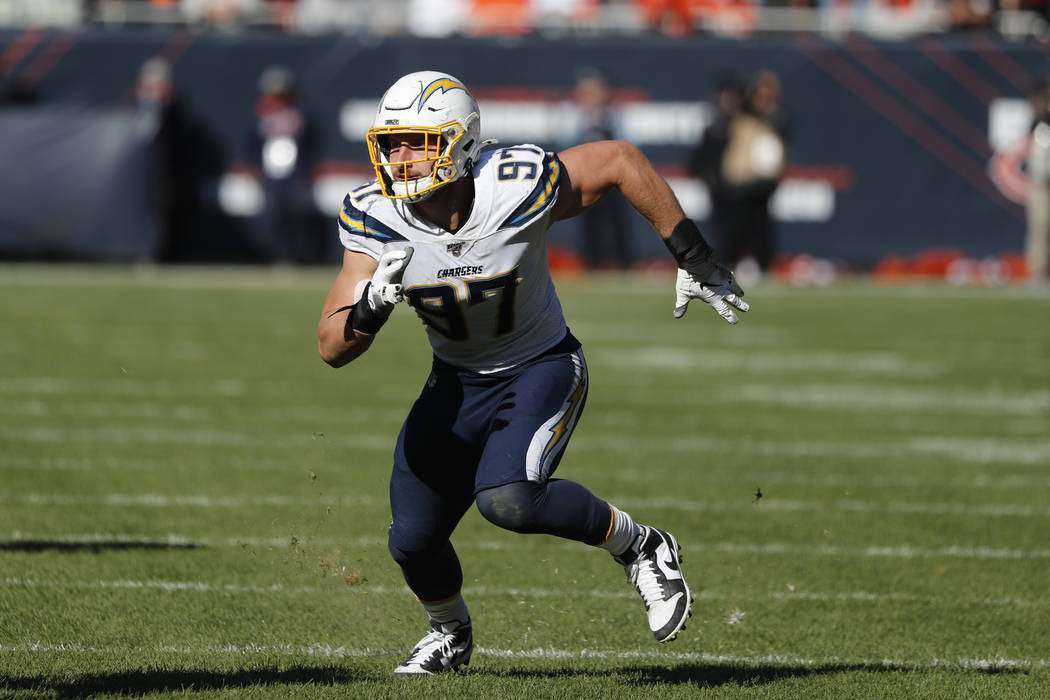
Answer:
[(426, 646), (435, 638), (647, 578)]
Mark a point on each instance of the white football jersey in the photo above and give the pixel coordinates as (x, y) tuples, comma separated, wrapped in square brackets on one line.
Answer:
[(485, 292)]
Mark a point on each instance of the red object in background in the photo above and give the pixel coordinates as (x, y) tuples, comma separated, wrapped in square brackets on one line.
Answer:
[(1014, 266), (562, 259), (283, 13), (781, 265), (892, 267), (506, 17), (935, 262), (950, 264)]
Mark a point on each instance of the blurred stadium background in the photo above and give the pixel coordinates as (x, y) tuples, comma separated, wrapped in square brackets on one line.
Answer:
[(228, 130)]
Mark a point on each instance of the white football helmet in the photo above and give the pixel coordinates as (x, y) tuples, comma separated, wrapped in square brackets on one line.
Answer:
[(441, 108)]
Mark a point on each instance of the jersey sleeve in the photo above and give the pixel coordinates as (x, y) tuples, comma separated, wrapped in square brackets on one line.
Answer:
[(358, 231), (534, 174)]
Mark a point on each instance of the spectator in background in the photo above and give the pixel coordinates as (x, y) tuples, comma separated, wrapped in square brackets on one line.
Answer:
[(750, 169), (284, 14), (606, 233), (20, 92), (280, 152), (185, 162), (796, 14), (672, 17), (507, 17), (705, 162), (764, 100), (562, 14), (1037, 242), (324, 16), (1017, 19), (154, 93), (222, 14), (969, 14)]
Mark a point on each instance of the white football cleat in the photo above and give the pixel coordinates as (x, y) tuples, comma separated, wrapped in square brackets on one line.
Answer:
[(657, 574), (438, 652)]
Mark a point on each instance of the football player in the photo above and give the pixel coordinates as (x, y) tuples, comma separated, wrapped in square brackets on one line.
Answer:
[(456, 227)]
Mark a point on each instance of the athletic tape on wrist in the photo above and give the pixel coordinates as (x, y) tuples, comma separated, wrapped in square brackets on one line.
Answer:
[(363, 317)]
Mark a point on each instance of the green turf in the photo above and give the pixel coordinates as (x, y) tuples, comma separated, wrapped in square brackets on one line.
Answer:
[(193, 504)]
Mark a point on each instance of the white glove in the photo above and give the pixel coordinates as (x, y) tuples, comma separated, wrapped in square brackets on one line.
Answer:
[(719, 289), (385, 289)]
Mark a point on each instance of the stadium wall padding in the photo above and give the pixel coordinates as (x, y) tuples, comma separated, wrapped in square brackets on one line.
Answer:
[(75, 184), (894, 148)]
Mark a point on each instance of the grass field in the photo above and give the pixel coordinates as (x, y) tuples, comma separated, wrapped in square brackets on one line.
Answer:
[(193, 504)]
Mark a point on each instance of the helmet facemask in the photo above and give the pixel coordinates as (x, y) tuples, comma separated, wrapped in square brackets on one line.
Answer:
[(438, 148), (438, 107)]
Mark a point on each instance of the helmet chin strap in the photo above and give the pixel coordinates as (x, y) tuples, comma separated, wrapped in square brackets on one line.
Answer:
[(424, 195), (421, 197), (441, 177)]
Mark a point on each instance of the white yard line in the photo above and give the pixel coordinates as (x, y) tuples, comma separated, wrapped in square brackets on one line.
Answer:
[(168, 586), (845, 396), (163, 463), (486, 591), (56, 407), (159, 500), (866, 397), (991, 510), (176, 540), (111, 409), (897, 551), (847, 479), (202, 437), (876, 551), (671, 359), (327, 650), (976, 450), (120, 385), (983, 450)]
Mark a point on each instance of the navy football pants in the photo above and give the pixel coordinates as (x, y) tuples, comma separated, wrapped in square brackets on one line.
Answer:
[(493, 439)]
